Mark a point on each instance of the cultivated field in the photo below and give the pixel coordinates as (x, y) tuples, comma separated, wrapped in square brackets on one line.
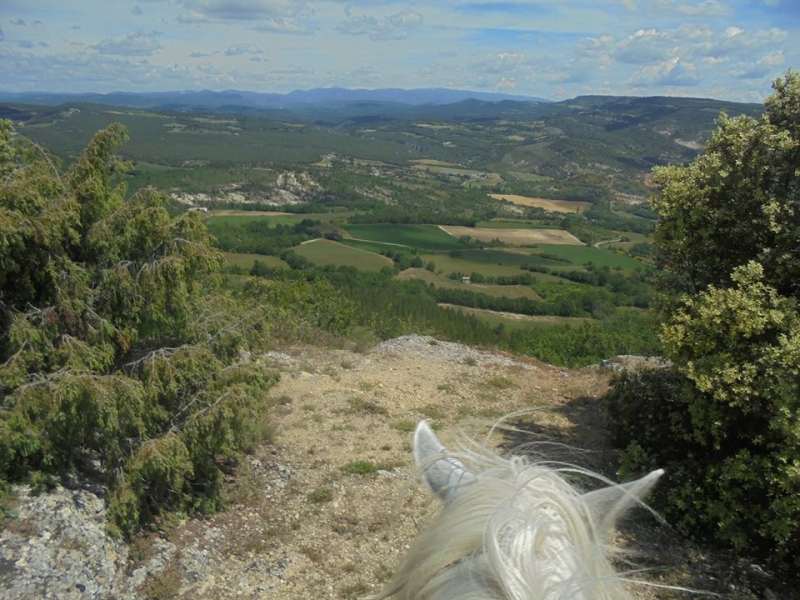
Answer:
[(509, 291), (246, 213), (429, 237), (516, 237), (323, 252), (579, 255), (562, 206), (495, 316), (274, 217)]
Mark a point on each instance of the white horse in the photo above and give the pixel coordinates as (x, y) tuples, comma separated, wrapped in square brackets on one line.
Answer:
[(511, 529)]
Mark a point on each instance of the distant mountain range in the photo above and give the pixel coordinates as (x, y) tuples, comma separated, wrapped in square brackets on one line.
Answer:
[(230, 99)]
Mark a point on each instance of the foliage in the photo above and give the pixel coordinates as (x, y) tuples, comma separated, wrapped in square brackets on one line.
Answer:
[(727, 426), (117, 358), (737, 202), (295, 303), (260, 235), (391, 307)]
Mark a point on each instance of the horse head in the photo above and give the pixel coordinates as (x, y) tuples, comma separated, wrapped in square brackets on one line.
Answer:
[(512, 529)]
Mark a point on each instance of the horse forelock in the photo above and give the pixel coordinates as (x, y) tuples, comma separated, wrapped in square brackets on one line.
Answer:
[(519, 531)]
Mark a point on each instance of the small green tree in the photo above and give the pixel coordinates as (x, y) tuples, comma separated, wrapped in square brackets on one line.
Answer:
[(729, 433), (118, 357)]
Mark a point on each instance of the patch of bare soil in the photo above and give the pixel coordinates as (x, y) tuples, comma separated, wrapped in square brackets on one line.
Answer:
[(328, 509), (519, 237)]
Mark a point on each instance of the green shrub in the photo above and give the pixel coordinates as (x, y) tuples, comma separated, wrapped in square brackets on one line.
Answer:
[(360, 467), (119, 356), (725, 421)]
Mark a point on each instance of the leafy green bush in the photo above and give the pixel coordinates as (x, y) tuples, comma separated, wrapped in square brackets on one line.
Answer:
[(725, 422)]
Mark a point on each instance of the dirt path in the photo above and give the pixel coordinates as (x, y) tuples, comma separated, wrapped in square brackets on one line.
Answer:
[(310, 521)]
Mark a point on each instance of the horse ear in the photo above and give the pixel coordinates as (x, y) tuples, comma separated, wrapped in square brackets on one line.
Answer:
[(442, 473), (609, 503)]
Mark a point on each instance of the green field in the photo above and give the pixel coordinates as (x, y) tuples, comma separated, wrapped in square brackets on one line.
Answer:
[(512, 321), (447, 264), (245, 261), (224, 217), (323, 252), (509, 291), (427, 237), (579, 255)]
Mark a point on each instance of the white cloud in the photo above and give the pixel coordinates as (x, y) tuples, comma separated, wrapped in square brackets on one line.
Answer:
[(297, 25), (506, 83), (707, 8), (193, 16), (645, 47), (134, 43), (240, 49), (243, 10), (691, 8), (763, 67), (392, 27), (672, 72)]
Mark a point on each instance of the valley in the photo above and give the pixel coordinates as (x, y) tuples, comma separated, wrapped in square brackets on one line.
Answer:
[(459, 205)]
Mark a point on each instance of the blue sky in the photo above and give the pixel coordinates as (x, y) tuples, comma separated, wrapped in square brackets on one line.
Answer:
[(726, 49)]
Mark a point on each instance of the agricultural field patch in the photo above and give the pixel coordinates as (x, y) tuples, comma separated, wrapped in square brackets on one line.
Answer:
[(447, 264), (235, 217), (579, 255), (504, 223), (516, 237), (562, 206), (432, 162), (494, 317), (509, 291), (447, 170), (427, 237), (246, 213), (324, 252)]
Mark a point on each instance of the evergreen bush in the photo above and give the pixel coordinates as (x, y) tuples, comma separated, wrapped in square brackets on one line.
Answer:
[(120, 359)]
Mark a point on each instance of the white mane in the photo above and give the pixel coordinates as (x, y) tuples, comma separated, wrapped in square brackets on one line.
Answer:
[(511, 529)]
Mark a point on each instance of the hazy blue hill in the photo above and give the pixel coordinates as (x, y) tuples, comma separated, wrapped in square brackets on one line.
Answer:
[(587, 143), (206, 99)]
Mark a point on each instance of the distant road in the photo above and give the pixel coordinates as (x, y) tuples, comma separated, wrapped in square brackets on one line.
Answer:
[(597, 244)]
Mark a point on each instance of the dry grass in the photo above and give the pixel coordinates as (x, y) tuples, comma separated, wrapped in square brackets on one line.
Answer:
[(562, 206), (515, 237)]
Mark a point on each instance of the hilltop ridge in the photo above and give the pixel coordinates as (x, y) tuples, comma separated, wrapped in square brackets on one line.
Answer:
[(328, 507)]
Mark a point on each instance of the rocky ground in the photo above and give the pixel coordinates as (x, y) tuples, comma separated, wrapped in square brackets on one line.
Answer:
[(329, 505)]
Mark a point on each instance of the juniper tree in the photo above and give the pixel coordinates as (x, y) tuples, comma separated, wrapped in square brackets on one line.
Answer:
[(118, 358)]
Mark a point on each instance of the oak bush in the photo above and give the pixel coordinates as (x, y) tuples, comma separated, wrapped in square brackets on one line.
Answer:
[(725, 419)]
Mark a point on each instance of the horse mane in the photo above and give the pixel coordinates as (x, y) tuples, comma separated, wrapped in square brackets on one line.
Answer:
[(512, 528)]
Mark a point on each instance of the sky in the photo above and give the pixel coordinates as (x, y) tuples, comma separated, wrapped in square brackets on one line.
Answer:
[(555, 49)]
